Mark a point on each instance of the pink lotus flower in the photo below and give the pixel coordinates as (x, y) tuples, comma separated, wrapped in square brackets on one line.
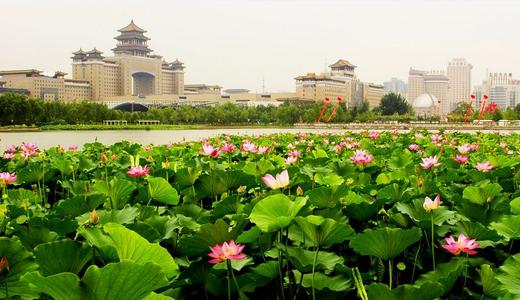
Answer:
[(29, 147), (11, 149), (484, 166), (225, 251), (295, 153), (461, 159), (349, 139), (73, 147), (7, 178), (374, 135), (361, 157), (209, 150), (138, 171), (325, 141), (437, 138), (228, 148), (430, 204), (463, 244), (302, 135), (503, 144), (474, 147), (8, 155), (248, 147), (414, 147), (281, 180), (428, 162), (419, 135), (464, 149), (291, 160), (337, 148), (262, 149)]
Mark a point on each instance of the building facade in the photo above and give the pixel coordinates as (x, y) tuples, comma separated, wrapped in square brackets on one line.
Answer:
[(340, 81), (459, 75), (434, 83), (131, 71), (501, 88)]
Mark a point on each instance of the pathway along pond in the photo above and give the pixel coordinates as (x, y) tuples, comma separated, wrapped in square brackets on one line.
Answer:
[(47, 139)]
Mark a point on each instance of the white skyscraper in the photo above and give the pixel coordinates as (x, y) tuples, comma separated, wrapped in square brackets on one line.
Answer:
[(459, 75)]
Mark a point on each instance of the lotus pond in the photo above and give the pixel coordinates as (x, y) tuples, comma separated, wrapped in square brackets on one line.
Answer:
[(287, 216)]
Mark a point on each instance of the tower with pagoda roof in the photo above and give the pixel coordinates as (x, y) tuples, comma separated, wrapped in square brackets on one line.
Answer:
[(132, 40)]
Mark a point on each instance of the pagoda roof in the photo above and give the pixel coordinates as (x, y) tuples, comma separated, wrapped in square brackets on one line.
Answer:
[(94, 51), (80, 51), (342, 63), (132, 27), (132, 35), (131, 47), (177, 62)]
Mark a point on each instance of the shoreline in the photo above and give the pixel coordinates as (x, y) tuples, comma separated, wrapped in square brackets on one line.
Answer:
[(303, 126)]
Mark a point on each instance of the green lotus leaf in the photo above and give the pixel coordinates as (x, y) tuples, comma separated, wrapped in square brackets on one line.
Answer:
[(62, 256), (123, 280), (275, 212), (62, 286), (117, 190), (320, 232), (416, 212), (327, 197), (445, 273), (515, 205), (385, 243), (428, 291), (209, 235), (133, 247), (508, 227), (509, 275), (336, 283), (20, 262), (162, 191), (490, 285), (482, 194), (154, 296), (258, 276), (303, 259)]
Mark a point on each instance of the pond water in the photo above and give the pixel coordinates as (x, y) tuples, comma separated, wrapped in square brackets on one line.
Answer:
[(47, 139)]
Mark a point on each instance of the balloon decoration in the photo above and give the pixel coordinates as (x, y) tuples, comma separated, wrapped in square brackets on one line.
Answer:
[(470, 108), (482, 108), (336, 106)]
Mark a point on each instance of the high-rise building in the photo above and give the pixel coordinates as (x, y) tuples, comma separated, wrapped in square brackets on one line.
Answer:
[(395, 85), (434, 83), (459, 75), (501, 89)]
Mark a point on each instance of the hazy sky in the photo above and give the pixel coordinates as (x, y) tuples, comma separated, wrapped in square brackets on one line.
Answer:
[(237, 43)]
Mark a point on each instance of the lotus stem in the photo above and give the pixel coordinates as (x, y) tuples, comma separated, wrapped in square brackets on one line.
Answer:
[(280, 264), (313, 272), (390, 272), (230, 269), (362, 293), (432, 243), (228, 281)]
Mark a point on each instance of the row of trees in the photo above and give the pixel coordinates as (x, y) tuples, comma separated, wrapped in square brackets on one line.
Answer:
[(18, 110)]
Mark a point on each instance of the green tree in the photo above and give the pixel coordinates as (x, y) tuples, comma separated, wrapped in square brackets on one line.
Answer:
[(392, 103)]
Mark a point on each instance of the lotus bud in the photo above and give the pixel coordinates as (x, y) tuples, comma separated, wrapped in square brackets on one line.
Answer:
[(104, 157), (4, 266), (93, 218), (299, 191)]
